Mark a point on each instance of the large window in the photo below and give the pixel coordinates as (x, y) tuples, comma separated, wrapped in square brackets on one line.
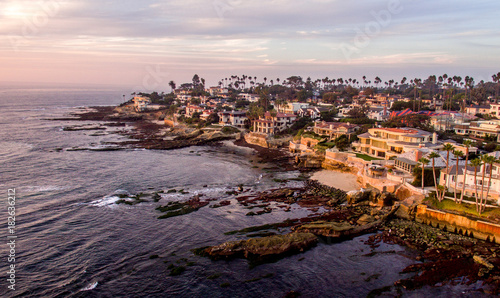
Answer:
[(379, 144)]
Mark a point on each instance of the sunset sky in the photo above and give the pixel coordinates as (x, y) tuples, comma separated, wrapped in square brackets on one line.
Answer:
[(148, 43)]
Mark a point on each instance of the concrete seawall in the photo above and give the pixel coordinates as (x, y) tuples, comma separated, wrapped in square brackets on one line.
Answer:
[(458, 224)]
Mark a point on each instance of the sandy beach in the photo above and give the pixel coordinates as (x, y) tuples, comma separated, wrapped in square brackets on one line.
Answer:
[(343, 181)]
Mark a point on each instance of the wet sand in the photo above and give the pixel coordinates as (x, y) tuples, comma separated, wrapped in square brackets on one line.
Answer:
[(343, 181)]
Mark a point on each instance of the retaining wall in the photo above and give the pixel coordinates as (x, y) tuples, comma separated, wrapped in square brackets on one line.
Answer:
[(458, 224)]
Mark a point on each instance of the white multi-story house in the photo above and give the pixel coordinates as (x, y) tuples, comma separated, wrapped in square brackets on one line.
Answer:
[(390, 142), (448, 179), (495, 109), (238, 119), (249, 97), (481, 129), (473, 110)]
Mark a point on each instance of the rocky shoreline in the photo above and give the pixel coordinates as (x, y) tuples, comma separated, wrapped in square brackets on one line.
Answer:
[(440, 257), (146, 133)]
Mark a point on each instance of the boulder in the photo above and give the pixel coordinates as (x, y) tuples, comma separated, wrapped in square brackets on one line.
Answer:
[(365, 219), (356, 197), (275, 245), (481, 261)]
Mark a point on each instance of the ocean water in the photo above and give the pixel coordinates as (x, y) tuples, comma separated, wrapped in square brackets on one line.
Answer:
[(73, 240)]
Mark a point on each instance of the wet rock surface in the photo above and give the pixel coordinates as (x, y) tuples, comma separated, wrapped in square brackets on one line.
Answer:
[(263, 247), (145, 133)]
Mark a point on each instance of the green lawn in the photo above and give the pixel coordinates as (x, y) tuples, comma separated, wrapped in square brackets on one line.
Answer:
[(464, 208), (367, 157)]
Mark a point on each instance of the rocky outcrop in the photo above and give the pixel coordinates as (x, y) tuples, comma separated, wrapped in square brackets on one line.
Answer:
[(271, 246), (310, 160), (365, 223), (369, 196), (332, 165), (256, 139)]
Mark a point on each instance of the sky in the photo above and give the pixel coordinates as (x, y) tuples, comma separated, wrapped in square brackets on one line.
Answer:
[(145, 44)]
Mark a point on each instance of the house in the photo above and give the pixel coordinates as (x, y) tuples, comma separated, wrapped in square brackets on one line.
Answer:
[(190, 110), (312, 112), (205, 114), (378, 113), (471, 182), (238, 119), (217, 91), (292, 107), (249, 97), (141, 103), (271, 124), (473, 110), (390, 142), (183, 97), (494, 110), (407, 162), (444, 120), (482, 129), (334, 129)]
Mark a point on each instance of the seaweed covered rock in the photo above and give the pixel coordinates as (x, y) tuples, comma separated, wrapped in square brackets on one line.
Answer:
[(323, 228), (263, 247)]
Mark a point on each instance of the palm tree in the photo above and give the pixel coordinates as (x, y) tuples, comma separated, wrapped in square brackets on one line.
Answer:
[(486, 159), (424, 161), (457, 154), (490, 160), (476, 163), (467, 144), (448, 147), (433, 156), (172, 85)]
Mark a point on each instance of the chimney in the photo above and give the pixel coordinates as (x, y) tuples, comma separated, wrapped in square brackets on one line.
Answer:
[(418, 155), (331, 126), (434, 138)]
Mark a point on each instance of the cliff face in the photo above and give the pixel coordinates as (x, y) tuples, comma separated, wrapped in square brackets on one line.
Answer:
[(310, 160), (256, 139)]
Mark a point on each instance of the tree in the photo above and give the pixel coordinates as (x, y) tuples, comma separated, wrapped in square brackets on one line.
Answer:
[(255, 111), (400, 105), (368, 91), (213, 118), (488, 160), (467, 144), (356, 112), (476, 163), (423, 161), (172, 85), (448, 148), (457, 154), (196, 81), (342, 142), (433, 156)]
